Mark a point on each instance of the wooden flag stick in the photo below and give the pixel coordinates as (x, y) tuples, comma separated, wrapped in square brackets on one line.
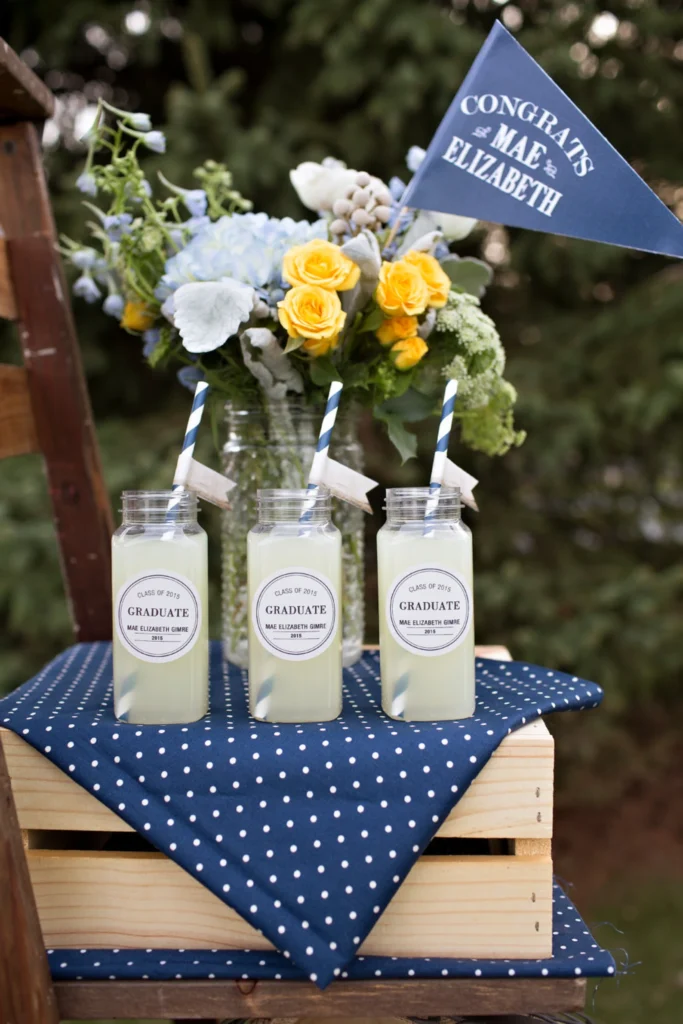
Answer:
[(392, 233)]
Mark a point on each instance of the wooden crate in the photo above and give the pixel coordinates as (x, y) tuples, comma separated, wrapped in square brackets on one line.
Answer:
[(494, 905)]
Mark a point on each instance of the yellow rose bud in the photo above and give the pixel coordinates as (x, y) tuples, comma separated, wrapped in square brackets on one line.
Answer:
[(396, 328), (401, 290), (309, 311), (137, 316), (408, 352), (320, 347), (437, 280), (322, 263)]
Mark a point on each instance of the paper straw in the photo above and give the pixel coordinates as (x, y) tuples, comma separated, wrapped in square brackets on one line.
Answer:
[(322, 450), (187, 450), (441, 451)]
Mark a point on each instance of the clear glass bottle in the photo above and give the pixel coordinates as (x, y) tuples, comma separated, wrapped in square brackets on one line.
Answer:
[(160, 595), (295, 631), (273, 446), (426, 614)]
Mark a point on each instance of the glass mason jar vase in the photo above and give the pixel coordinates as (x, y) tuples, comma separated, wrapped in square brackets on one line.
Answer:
[(426, 615), (160, 597), (295, 569), (269, 448)]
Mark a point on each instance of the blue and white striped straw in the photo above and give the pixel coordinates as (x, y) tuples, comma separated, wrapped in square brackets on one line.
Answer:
[(322, 450), (441, 451), (187, 451)]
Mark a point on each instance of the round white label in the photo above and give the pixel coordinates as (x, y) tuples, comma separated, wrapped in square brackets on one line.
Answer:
[(429, 609), (295, 613), (158, 615)]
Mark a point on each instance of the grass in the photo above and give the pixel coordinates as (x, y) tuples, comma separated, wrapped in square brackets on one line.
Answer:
[(650, 915)]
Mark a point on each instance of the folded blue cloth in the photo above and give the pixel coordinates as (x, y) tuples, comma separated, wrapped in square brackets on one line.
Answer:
[(575, 954), (306, 830)]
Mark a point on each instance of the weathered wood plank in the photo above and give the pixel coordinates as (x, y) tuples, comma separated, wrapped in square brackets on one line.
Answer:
[(26, 994), (8, 305), (59, 399), (512, 797), (447, 906), (196, 1000), (17, 428), (22, 94)]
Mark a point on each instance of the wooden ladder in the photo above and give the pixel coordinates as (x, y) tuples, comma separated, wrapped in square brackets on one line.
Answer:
[(44, 407)]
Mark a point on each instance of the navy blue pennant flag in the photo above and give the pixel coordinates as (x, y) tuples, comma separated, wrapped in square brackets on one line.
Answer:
[(513, 149)]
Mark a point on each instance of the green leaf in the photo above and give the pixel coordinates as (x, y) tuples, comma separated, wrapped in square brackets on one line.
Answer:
[(403, 441), (411, 407), (293, 344), (323, 371), (471, 275), (373, 320)]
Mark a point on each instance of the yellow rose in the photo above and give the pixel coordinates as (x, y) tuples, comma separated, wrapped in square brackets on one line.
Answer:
[(437, 280), (320, 262), (401, 290), (408, 352), (396, 328), (309, 311), (320, 347), (137, 316)]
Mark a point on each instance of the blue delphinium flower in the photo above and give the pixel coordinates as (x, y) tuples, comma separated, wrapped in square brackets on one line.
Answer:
[(156, 141), (195, 200), (141, 122), (114, 305), (414, 157), (85, 288), (189, 376), (116, 225), (396, 188), (84, 259), (86, 184), (150, 340), (248, 247)]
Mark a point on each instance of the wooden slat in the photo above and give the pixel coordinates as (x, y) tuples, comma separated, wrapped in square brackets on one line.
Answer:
[(59, 398), (485, 906), (17, 429), (26, 994), (197, 1000), (511, 797), (8, 305), (22, 94)]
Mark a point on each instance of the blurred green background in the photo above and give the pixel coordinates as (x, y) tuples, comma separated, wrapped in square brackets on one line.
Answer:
[(578, 542)]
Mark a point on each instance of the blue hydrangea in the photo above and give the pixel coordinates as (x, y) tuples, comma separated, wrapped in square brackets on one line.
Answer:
[(248, 247)]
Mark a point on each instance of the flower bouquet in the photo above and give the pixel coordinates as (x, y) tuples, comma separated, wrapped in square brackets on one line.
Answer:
[(269, 311)]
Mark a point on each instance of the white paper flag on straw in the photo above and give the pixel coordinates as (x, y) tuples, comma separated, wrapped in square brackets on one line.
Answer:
[(205, 482), (454, 476), (346, 483)]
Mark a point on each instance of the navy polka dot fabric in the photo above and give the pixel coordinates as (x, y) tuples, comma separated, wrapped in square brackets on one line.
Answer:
[(575, 954), (305, 830)]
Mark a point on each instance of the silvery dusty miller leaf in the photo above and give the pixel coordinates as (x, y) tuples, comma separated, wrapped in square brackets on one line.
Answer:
[(207, 313)]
